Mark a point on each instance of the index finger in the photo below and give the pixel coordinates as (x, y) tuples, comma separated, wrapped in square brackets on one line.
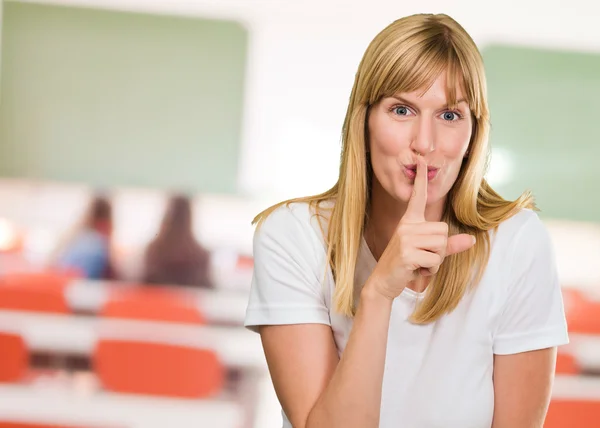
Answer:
[(418, 200)]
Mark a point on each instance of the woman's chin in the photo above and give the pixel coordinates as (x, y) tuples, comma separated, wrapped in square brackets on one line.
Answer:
[(404, 193)]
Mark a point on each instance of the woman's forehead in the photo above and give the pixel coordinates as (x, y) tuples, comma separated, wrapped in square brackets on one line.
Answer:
[(438, 90)]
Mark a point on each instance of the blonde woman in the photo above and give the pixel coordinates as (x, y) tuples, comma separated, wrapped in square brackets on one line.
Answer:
[(410, 295)]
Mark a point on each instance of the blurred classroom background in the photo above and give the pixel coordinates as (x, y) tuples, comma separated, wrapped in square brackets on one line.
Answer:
[(138, 138)]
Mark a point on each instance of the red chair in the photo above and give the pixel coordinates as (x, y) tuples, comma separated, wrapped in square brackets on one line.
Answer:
[(38, 292), (15, 358), (582, 313), (244, 262), (573, 413), (14, 367), (158, 369), (154, 304), (566, 364)]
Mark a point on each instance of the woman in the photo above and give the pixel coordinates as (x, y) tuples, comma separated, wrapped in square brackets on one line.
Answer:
[(410, 294), (174, 257), (88, 251)]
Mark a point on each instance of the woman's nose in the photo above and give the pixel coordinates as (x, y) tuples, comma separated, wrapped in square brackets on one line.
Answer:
[(423, 137)]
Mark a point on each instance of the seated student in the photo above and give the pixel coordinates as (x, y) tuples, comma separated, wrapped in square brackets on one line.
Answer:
[(175, 257), (88, 249)]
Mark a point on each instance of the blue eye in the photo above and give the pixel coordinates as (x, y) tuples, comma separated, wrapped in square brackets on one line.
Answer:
[(401, 111), (450, 116)]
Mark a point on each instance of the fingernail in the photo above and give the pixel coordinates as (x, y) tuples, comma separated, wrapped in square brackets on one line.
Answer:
[(474, 239)]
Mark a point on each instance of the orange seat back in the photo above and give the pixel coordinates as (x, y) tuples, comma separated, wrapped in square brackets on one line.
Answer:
[(573, 413), (244, 262), (582, 313), (39, 292), (158, 369), (14, 357), (154, 304), (566, 364)]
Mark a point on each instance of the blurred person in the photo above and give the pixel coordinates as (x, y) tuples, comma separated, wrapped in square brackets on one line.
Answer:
[(87, 250), (175, 257), (410, 294)]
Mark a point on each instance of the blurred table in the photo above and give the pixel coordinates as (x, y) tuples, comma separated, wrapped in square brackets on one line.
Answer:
[(576, 387), (217, 306), (69, 407), (77, 335), (586, 349)]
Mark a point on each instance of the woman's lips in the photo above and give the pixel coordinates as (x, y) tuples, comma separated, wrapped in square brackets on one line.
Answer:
[(411, 172)]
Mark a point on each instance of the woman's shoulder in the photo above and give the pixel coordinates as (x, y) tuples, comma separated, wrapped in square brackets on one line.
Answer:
[(289, 269), (287, 214), (525, 221), (294, 218), (522, 233)]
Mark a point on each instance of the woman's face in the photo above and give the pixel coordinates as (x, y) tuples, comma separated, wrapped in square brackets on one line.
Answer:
[(407, 124)]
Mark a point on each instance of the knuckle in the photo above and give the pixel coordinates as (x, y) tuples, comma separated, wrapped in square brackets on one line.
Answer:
[(444, 228), (400, 230), (404, 255)]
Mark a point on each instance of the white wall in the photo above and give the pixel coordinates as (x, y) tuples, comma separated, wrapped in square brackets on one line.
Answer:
[(303, 56)]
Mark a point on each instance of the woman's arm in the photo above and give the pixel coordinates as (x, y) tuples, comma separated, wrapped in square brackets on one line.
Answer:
[(522, 388), (316, 390)]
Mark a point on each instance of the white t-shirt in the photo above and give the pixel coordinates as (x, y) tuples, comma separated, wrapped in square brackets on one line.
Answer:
[(437, 375)]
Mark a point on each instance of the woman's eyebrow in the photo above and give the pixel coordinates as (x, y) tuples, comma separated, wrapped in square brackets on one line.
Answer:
[(404, 100)]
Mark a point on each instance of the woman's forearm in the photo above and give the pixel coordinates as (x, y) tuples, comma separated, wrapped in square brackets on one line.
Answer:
[(353, 396)]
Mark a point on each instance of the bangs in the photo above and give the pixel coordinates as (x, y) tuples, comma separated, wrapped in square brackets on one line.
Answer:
[(417, 68)]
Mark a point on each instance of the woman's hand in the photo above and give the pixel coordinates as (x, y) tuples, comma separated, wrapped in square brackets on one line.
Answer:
[(418, 247)]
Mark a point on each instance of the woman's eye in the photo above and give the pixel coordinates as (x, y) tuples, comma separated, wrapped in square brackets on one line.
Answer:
[(450, 116), (401, 111)]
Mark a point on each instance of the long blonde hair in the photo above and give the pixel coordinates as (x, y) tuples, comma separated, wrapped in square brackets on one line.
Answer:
[(406, 56)]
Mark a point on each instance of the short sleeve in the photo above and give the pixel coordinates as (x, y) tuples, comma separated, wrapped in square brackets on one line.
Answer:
[(533, 314), (288, 276)]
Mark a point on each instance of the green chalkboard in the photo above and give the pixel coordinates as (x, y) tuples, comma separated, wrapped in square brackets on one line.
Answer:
[(114, 98), (546, 122)]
